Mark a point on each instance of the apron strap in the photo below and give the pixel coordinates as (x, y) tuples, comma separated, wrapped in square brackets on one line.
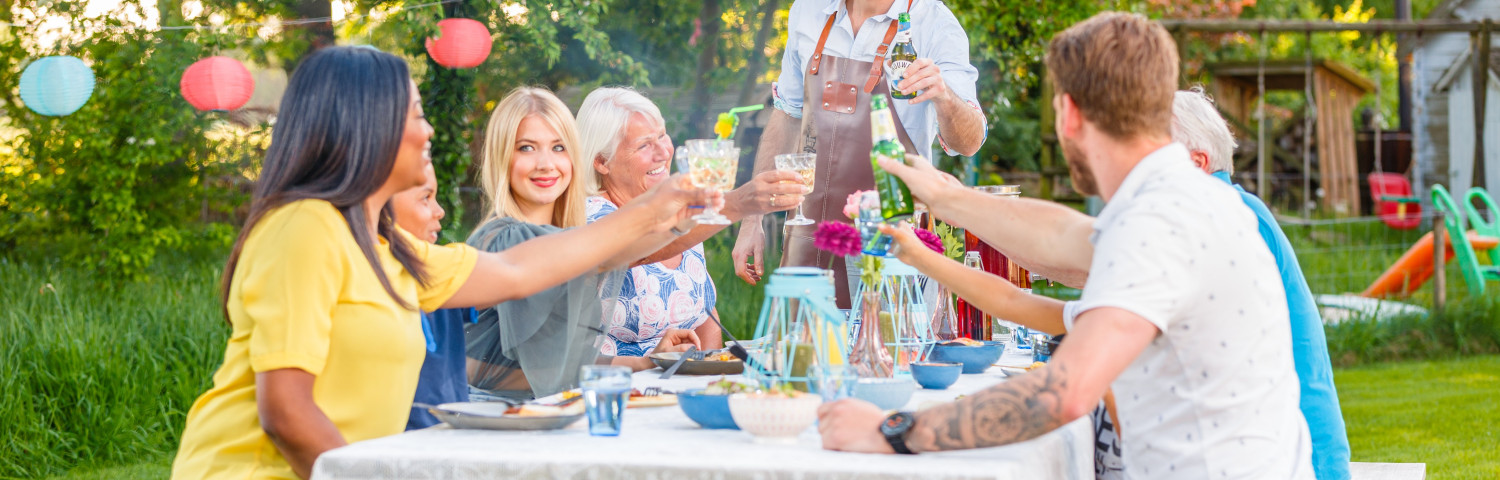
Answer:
[(877, 66), (812, 66), (817, 58)]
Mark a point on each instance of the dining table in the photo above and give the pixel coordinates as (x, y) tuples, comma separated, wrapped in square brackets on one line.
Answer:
[(662, 443)]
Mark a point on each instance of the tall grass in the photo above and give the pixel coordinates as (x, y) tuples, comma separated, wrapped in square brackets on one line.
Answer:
[(738, 302), (1466, 326), (95, 373)]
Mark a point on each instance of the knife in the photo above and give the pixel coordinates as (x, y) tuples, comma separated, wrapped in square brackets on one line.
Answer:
[(680, 360)]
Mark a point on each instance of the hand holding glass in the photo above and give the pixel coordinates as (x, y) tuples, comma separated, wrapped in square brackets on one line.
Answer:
[(803, 164), (710, 164), (606, 388)]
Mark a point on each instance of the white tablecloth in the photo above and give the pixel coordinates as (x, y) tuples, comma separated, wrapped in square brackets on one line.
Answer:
[(664, 443)]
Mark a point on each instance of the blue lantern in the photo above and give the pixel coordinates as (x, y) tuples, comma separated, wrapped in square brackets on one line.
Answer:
[(800, 330), (56, 85)]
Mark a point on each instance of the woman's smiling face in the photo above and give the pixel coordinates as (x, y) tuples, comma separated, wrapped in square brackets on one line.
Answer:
[(642, 160), (541, 167)]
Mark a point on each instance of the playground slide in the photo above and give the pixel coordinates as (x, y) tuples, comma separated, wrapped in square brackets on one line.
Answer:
[(1415, 266)]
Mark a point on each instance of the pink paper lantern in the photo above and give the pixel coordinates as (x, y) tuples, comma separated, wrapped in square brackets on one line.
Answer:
[(463, 43), (217, 84)]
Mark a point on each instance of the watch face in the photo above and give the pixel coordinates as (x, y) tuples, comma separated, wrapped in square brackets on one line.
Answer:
[(896, 424)]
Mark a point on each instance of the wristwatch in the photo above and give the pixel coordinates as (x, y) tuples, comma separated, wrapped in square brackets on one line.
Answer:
[(895, 428)]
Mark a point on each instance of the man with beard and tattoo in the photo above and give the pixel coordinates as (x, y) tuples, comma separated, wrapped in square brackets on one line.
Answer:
[(1183, 313)]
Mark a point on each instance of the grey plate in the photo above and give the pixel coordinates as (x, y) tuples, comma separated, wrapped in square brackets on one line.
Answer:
[(491, 416), (700, 367)]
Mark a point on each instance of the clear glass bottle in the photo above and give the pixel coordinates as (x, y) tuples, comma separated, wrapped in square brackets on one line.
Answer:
[(945, 316)]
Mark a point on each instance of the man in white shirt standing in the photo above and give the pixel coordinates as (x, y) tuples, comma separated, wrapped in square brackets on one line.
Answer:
[(834, 63), (1182, 313)]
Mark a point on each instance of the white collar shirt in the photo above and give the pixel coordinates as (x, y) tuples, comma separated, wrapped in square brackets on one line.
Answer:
[(1215, 393), (936, 34)]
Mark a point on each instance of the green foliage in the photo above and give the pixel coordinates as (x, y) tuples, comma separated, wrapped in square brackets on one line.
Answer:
[(1371, 55), (125, 176), (96, 375), (738, 302), (1441, 413)]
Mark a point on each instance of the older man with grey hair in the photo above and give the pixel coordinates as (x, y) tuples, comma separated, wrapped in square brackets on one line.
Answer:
[(1198, 125)]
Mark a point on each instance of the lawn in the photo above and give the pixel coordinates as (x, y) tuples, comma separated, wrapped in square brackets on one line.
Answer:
[(1442, 413)]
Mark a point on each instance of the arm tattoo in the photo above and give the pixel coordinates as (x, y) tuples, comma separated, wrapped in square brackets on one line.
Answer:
[(809, 136), (1015, 411)]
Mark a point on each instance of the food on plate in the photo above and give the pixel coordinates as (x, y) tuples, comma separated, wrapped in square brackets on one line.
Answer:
[(725, 386), (967, 342), (1034, 366), (718, 357), (641, 400)]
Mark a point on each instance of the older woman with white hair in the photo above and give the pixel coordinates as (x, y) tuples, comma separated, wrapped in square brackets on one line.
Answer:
[(1197, 125), (625, 136)]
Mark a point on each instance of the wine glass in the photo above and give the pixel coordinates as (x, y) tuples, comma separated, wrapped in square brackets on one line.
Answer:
[(710, 164), (804, 164)]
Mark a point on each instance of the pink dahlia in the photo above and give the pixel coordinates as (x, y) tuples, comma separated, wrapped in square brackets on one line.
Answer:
[(930, 239), (837, 238)]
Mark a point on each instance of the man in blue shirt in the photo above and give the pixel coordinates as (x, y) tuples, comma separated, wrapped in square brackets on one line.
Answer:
[(1197, 125)]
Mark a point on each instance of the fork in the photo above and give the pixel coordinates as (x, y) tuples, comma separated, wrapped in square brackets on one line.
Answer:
[(656, 392)]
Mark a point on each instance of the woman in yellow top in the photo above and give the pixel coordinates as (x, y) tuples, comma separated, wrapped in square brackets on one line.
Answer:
[(322, 288)]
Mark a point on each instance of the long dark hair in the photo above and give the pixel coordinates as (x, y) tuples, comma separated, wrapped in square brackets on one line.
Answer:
[(336, 137)]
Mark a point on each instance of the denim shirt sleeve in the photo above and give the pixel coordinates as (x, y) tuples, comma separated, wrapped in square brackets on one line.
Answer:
[(786, 94)]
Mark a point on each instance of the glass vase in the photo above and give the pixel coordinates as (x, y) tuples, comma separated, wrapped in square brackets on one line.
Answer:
[(945, 316), (869, 355)]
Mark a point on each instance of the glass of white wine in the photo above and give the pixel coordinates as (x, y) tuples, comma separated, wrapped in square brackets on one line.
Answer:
[(804, 164), (710, 164)]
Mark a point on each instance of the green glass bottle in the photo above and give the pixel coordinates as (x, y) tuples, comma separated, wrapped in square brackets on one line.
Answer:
[(901, 56), (895, 199)]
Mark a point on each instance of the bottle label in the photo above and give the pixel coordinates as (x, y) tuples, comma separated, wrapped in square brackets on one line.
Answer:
[(896, 70), (882, 126)]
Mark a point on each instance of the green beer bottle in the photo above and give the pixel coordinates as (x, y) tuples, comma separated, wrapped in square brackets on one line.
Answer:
[(895, 199), (902, 55)]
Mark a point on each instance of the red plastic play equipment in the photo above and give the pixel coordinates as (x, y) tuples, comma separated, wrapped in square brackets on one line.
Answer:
[(1394, 201)]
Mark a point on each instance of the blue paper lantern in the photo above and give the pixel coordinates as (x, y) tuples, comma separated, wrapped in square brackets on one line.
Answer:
[(56, 85)]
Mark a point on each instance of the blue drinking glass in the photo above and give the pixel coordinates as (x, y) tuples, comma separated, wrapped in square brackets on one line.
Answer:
[(606, 388)]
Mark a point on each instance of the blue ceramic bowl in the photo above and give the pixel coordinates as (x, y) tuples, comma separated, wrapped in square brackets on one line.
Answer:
[(934, 375), (886, 393), (975, 359), (710, 411)]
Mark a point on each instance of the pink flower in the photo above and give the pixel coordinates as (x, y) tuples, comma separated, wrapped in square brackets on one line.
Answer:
[(682, 306), (653, 312), (837, 238), (862, 199), (930, 239)]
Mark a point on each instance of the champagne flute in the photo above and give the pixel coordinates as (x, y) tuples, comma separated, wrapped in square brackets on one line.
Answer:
[(804, 164), (711, 164)]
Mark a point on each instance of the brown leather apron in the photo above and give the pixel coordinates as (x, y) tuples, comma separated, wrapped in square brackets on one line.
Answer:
[(836, 126)]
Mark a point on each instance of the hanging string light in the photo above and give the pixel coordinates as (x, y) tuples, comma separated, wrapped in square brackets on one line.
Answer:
[(56, 85), (218, 84), (463, 43)]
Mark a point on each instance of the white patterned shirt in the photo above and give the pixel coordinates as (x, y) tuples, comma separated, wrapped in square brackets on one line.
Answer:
[(654, 298), (1215, 394)]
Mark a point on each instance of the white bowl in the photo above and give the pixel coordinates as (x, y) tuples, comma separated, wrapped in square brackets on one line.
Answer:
[(774, 418)]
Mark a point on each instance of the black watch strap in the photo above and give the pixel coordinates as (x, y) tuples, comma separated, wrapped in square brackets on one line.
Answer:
[(895, 428)]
